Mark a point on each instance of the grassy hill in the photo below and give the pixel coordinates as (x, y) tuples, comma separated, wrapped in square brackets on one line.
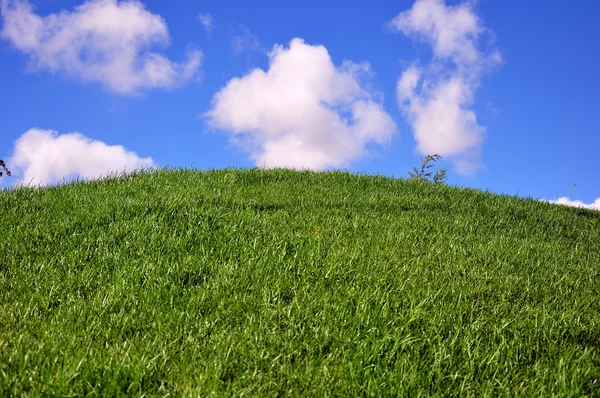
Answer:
[(278, 282)]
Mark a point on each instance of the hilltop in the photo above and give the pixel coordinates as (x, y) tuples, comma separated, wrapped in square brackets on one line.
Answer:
[(277, 282)]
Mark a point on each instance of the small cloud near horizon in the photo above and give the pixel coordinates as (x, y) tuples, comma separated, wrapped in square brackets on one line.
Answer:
[(43, 157), (565, 201)]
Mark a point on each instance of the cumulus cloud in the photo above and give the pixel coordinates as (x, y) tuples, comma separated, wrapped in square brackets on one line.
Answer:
[(436, 97), (206, 21), (576, 203), (104, 41), (43, 157), (303, 112)]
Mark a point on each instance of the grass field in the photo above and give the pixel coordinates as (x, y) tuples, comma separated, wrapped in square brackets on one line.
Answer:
[(283, 283)]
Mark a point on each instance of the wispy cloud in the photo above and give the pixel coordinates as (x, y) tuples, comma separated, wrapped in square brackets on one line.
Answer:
[(44, 157), (102, 41), (245, 41), (304, 112), (207, 21), (565, 201), (436, 97)]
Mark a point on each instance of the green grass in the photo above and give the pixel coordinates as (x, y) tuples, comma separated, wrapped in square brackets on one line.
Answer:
[(283, 283)]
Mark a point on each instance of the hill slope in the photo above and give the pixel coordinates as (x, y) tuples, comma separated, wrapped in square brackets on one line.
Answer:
[(294, 283)]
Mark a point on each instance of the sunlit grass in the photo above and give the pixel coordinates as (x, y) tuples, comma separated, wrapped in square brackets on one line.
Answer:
[(277, 282)]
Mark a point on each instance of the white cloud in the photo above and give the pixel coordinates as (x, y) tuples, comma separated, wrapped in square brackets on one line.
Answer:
[(304, 112), (451, 30), (206, 21), (576, 203), (102, 41), (436, 98), (45, 157)]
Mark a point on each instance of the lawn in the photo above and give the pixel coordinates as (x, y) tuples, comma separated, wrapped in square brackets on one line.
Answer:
[(285, 283)]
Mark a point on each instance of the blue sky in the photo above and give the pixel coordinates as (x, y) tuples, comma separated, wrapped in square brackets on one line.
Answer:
[(506, 91)]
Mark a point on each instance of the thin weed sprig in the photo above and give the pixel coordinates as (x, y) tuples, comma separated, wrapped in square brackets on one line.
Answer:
[(440, 176), (3, 167)]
